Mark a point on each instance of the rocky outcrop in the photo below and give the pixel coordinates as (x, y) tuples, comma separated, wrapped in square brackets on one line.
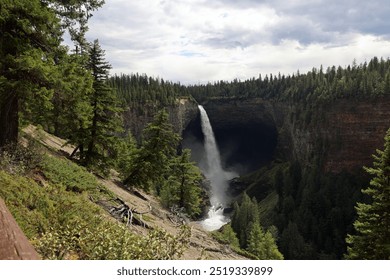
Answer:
[(246, 131), (231, 112)]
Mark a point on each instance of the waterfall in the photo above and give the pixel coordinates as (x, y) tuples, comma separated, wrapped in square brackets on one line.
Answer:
[(215, 174)]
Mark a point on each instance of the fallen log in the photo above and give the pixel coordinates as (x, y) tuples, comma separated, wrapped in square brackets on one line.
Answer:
[(129, 214)]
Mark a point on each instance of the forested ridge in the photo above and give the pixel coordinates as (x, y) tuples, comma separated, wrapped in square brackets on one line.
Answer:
[(136, 89), (364, 80), (70, 93)]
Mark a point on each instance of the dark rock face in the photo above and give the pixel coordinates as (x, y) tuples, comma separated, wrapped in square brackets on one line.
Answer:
[(252, 132), (246, 132), (180, 114), (355, 130)]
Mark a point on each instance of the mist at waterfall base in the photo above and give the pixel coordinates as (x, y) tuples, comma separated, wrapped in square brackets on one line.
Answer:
[(218, 177)]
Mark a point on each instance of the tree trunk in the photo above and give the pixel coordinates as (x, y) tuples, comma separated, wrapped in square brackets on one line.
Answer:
[(91, 144), (9, 119)]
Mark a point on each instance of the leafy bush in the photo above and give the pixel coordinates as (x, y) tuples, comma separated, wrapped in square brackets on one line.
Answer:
[(38, 208), (32, 209)]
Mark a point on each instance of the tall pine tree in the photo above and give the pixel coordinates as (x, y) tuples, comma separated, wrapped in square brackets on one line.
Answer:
[(263, 245), (372, 240), (30, 36), (151, 166), (30, 54), (106, 122), (183, 185)]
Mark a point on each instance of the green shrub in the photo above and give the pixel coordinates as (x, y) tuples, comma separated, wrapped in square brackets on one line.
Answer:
[(74, 177), (38, 208)]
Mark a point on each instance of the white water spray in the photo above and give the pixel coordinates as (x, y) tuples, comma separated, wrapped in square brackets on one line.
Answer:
[(216, 175)]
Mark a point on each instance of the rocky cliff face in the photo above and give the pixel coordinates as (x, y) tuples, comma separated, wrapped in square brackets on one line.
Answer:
[(354, 131), (342, 135), (252, 132), (180, 114), (246, 131)]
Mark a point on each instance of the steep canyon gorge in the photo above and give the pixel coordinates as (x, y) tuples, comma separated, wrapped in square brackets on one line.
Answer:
[(316, 151)]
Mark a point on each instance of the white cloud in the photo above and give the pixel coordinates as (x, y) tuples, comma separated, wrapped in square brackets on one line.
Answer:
[(198, 41)]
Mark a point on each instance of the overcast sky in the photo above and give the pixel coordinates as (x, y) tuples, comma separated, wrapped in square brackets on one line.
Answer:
[(196, 41)]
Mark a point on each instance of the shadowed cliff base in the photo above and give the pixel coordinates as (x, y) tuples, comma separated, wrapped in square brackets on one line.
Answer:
[(244, 146)]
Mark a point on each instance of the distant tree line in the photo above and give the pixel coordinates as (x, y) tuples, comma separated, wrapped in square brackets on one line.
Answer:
[(365, 80), (136, 89)]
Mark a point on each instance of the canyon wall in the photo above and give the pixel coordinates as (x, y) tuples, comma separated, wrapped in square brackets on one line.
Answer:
[(354, 130), (343, 134)]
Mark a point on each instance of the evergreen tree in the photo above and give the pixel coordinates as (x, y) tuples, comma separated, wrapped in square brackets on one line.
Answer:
[(151, 166), (245, 216), (183, 185), (230, 236), (30, 55), (270, 248), (235, 223), (372, 240), (292, 243), (74, 17), (246, 223), (255, 241), (106, 122), (126, 150), (246, 220), (30, 36), (263, 245), (71, 113)]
